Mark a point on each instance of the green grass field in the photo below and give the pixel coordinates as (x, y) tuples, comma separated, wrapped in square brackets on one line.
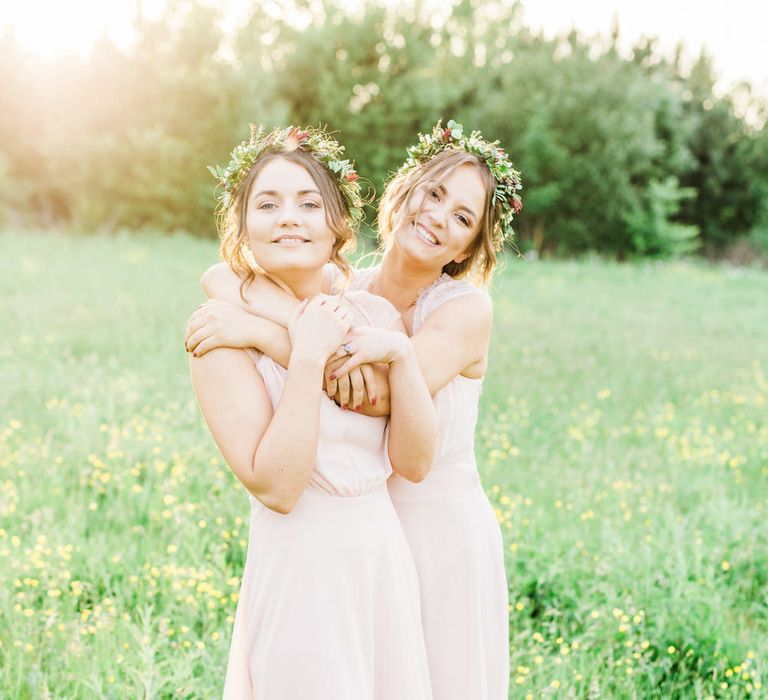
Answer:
[(623, 439)]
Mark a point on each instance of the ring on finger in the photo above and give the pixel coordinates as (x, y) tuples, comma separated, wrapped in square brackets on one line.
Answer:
[(347, 347)]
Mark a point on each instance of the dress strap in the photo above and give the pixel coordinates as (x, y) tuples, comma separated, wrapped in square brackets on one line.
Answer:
[(442, 290)]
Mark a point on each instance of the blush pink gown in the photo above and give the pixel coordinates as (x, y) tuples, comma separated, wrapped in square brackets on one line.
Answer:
[(329, 601), (455, 538)]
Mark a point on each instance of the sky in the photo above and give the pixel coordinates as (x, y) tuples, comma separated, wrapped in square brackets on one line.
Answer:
[(734, 32)]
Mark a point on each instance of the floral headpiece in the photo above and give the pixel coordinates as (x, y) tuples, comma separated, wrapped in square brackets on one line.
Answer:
[(315, 141), (452, 138)]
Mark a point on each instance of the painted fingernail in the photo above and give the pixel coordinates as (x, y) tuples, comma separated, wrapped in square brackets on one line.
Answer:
[(357, 408), (373, 401), (332, 377), (345, 406)]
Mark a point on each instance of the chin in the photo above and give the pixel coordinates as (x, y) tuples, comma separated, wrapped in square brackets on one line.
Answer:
[(294, 260)]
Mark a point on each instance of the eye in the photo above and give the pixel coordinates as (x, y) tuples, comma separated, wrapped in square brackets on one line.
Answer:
[(310, 204), (463, 220), (433, 194), (266, 205)]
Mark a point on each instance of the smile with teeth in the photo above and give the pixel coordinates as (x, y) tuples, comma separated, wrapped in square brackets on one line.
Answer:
[(290, 239), (426, 235)]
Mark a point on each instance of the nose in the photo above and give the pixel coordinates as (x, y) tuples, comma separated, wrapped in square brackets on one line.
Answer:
[(289, 216), (437, 214)]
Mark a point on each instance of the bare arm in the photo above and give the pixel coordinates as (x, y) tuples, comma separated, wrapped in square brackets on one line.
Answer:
[(261, 446), (454, 340), (264, 327), (413, 425), (268, 310), (262, 297)]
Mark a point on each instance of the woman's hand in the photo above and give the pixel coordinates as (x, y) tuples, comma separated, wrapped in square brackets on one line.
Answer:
[(350, 390), (367, 345), (218, 324), (318, 327)]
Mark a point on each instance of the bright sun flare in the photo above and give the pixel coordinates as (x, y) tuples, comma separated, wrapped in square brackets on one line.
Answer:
[(51, 27)]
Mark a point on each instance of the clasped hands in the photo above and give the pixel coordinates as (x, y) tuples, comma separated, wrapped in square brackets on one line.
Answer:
[(348, 378)]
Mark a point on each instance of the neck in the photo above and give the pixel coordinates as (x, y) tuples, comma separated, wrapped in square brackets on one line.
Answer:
[(302, 284), (400, 280)]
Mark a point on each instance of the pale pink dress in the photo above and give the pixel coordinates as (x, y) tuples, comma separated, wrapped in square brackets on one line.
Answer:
[(329, 601), (455, 538)]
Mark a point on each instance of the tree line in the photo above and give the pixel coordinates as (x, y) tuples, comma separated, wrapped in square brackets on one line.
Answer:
[(624, 153)]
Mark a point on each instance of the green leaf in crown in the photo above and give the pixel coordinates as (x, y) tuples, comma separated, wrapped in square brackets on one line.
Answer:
[(315, 141), (503, 171)]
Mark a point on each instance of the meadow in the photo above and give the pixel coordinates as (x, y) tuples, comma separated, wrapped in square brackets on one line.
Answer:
[(623, 440)]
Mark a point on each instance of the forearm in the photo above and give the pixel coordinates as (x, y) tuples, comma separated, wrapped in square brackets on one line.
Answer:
[(271, 339), (413, 425), (262, 297), (282, 463)]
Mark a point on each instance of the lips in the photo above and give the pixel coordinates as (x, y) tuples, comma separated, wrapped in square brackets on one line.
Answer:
[(426, 235), (290, 239)]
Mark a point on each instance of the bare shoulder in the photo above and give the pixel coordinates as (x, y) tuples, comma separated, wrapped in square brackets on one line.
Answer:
[(473, 308), (217, 277)]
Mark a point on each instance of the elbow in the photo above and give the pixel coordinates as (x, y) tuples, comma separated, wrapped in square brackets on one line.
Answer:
[(282, 504), (415, 472), (418, 475)]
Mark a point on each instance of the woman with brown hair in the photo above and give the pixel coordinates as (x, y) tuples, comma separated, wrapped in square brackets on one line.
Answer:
[(329, 601), (442, 218)]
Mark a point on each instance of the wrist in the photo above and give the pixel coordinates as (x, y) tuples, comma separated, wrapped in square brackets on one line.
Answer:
[(403, 351), (306, 359)]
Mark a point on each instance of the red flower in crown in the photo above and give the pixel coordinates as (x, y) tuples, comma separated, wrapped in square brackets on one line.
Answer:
[(446, 134), (517, 205), (351, 177)]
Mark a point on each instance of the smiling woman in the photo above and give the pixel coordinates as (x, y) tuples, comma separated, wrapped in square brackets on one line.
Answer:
[(329, 603)]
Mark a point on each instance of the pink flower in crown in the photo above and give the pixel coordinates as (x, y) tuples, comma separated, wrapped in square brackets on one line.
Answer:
[(446, 134), (295, 138), (517, 205), (351, 176)]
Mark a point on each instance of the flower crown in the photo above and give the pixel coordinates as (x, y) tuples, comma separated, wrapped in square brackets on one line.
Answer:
[(452, 138), (315, 141)]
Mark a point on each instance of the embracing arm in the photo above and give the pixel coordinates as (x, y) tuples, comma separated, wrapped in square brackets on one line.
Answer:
[(259, 446), (257, 328), (269, 309), (454, 340), (412, 422), (262, 297)]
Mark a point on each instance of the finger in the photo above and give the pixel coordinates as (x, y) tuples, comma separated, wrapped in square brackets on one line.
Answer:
[(192, 327), (344, 390), (196, 338), (354, 361), (358, 388), (335, 362), (371, 387), (210, 343), (337, 357), (331, 385)]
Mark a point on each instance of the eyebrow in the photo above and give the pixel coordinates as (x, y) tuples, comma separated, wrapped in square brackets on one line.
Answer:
[(274, 193), (461, 206)]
